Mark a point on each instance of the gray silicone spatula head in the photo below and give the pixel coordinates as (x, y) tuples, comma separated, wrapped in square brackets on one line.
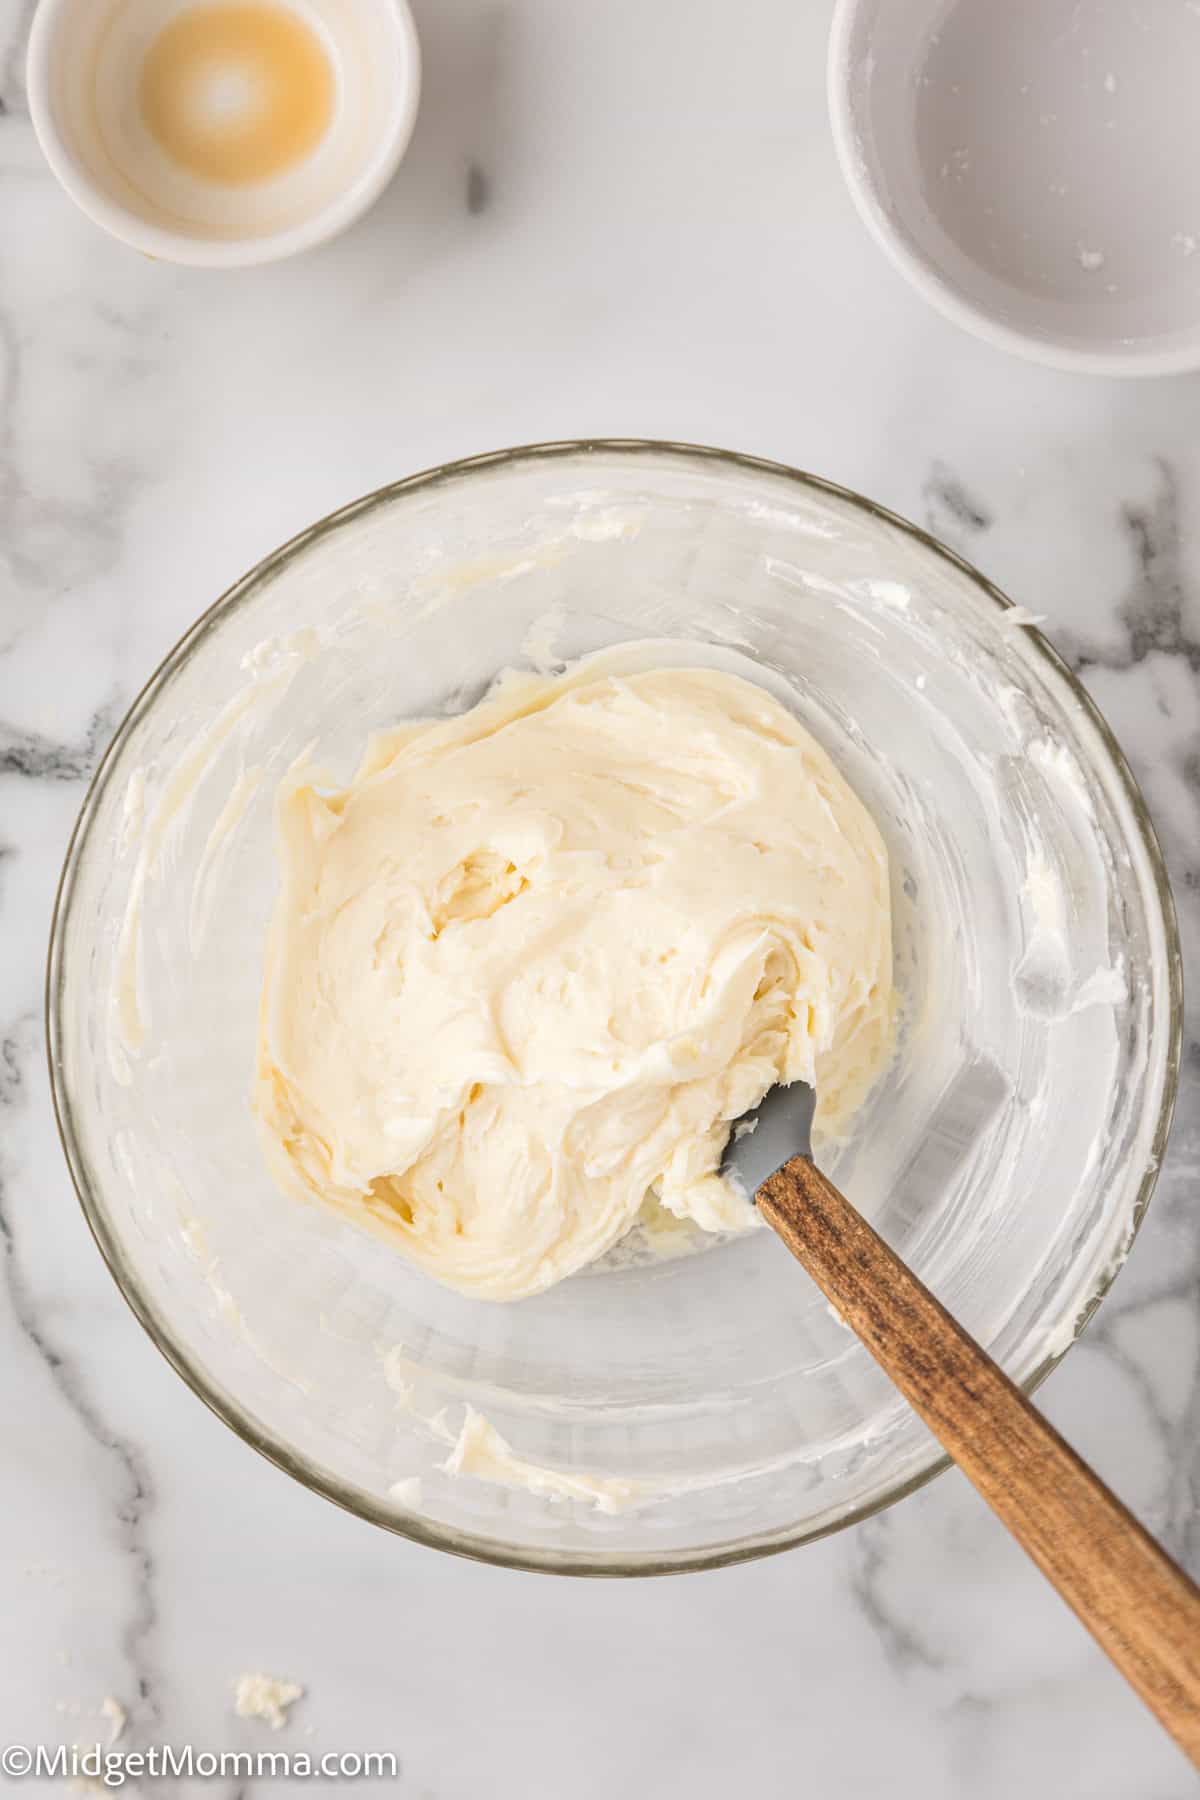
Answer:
[(778, 1128)]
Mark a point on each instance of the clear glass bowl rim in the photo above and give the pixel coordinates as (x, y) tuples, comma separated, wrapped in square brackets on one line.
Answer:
[(357, 1500)]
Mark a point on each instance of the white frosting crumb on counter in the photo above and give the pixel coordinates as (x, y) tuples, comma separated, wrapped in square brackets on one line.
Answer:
[(264, 1697), (117, 1717)]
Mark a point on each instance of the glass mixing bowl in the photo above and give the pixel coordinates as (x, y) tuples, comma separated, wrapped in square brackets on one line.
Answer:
[(1008, 1155)]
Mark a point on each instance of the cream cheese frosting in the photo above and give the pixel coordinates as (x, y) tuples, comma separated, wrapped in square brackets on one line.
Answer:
[(532, 963)]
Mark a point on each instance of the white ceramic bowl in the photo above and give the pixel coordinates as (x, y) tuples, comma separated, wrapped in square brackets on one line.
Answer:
[(83, 66), (1008, 1154), (1031, 166)]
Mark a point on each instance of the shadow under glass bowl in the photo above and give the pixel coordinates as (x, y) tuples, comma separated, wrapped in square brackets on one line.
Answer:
[(1008, 1155)]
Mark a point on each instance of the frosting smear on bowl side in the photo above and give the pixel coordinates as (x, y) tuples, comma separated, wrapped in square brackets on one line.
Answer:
[(532, 963)]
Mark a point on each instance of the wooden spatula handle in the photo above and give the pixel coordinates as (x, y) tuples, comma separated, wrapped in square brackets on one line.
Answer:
[(1139, 1606)]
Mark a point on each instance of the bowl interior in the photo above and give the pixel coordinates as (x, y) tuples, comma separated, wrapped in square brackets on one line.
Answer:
[(1032, 161), (1006, 1155)]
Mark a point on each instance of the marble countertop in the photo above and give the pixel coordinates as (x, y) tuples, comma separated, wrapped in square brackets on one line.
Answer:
[(614, 219)]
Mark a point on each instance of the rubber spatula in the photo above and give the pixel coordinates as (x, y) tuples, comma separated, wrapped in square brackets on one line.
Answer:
[(1141, 1607)]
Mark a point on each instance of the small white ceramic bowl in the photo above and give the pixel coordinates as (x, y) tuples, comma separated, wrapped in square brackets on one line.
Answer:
[(1032, 168), (83, 69)]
